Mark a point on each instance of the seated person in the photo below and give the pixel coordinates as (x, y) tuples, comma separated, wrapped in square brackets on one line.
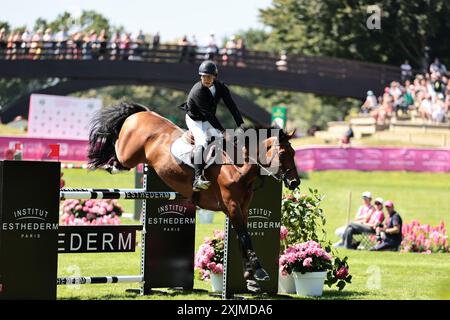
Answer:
[(364, 213), (390, 235), (370, 103), (405, 102), (369, 226)]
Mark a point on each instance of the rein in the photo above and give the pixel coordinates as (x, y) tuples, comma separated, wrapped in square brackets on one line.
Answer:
[(278, 176)]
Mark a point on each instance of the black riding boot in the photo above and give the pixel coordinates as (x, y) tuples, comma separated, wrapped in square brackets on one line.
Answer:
[(200, 183)]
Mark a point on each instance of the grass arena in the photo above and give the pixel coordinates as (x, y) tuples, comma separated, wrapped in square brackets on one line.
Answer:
[(377, 275)]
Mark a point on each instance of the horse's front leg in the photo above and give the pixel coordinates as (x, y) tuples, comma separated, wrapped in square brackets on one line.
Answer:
[(260, 273)]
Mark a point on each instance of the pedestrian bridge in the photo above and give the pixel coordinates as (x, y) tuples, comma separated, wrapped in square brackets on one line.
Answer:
[(175, 67)]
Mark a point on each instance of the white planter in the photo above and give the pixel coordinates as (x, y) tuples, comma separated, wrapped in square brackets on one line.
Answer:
[(310, 283), (216, 281), (205, 216), (286, 284)]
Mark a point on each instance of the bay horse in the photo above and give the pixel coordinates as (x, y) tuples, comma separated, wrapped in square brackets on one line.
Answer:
[(128, 134)]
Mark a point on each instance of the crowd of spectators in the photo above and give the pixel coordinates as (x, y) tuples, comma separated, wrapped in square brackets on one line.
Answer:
[(425, 95), (47, 44), (232, 53)]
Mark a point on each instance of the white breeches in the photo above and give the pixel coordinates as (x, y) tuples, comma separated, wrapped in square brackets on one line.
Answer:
[(202, 131)]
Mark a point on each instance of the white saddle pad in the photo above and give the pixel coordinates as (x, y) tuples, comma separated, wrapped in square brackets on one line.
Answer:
[(182, 152)]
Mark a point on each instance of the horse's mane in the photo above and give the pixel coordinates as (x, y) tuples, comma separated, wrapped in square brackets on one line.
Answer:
[(271, 131)]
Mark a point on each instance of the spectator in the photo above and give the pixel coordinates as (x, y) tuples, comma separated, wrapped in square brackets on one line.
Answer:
[(437, 66), (406, 71), (345, 141), (184, 44), (437, 83), (364, 212), (229, 52), (139, 46), (89, 45), (102, 41), (240, 52), (36, 45), (424, 107), (193, 49), (115, 46), (77, 45), (390, 234), (368, 226), (156, 40), (3, 42), (61, 38), (155, 44), (385, 110), (17, 40), (48, 44), (282, 63), (25, 46), (212, 50), (406, 101), (312, 130), (125, 46), (447, 107), (438, 109), (9, 46), (370, 103)]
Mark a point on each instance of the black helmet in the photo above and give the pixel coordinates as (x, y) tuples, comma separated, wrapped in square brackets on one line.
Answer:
[(208, 67)]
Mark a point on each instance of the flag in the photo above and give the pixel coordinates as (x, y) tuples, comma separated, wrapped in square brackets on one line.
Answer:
[(54, 151)]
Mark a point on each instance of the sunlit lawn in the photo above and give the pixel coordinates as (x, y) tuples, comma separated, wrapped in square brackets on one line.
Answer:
[(386, 275)]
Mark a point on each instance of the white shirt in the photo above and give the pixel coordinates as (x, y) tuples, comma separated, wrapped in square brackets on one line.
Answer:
[(213, 90), (426, 105)]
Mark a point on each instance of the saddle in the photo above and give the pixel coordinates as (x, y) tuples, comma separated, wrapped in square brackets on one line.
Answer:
[(182, 150)]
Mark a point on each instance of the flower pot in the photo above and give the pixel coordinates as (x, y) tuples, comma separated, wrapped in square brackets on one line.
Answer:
[(216, 281), (310, 283), (286, 284), (205, 216)]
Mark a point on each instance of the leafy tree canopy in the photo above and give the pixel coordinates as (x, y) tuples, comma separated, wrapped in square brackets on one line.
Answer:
[(338, 28)]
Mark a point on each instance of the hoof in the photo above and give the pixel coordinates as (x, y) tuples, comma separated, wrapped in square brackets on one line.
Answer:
[(261, 275), (253, 286)]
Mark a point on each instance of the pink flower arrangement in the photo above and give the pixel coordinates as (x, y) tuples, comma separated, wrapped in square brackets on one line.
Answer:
[(91, 212), (305, 257), (424, 238), (209, 257), (283, 233), (311, 257)]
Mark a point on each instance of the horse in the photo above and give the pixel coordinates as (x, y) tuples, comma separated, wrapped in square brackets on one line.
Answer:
[(125, 135)]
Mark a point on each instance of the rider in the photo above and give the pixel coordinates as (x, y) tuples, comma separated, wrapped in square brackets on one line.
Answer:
[(201, 118)]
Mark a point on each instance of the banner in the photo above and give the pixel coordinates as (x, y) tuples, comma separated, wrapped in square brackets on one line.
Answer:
[(39, 149), (61, 117), (373, 159), (29, 206)]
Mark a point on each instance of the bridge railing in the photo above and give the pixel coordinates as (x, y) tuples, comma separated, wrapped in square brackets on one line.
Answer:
[(165, 53)]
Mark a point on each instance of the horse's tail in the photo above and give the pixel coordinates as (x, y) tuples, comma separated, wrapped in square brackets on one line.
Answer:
[(105, 128)]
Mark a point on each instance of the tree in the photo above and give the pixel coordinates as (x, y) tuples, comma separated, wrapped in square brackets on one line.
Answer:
[(338, 28), (92, 20), (5, 25)]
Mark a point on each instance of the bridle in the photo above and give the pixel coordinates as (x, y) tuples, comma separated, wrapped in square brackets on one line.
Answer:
[(282, 173), (279, 176)]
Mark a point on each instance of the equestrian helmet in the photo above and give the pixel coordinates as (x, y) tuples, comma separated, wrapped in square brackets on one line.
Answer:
[(208, 67)]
